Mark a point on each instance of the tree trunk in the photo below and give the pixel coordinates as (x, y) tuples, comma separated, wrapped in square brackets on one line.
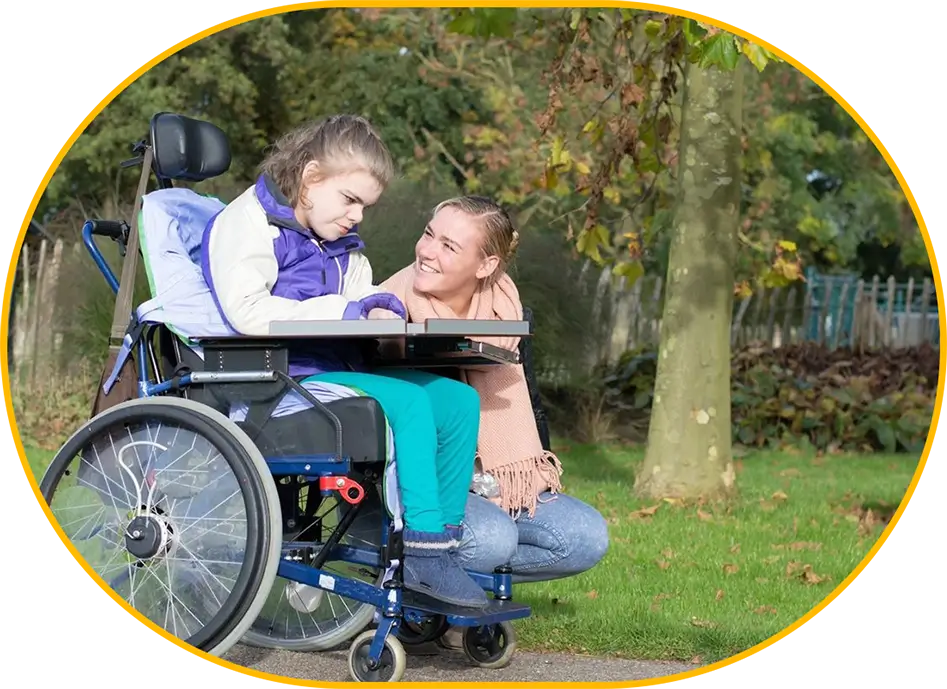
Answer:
[(689, 448)]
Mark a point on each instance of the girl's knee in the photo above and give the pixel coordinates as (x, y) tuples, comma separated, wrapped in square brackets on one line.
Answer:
[(466, 398)]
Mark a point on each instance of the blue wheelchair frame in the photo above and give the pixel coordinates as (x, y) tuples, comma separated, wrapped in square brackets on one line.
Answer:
[(389, 599)]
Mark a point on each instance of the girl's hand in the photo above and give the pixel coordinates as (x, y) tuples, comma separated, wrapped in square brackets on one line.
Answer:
[(382, 314)]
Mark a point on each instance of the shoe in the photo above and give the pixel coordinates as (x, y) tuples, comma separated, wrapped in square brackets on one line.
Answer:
[(430, 569)]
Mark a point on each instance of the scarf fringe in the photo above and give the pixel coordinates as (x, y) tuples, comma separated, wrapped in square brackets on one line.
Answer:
[(522, 481)]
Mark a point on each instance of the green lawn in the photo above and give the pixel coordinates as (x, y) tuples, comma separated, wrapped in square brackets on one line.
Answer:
[(707, 582)]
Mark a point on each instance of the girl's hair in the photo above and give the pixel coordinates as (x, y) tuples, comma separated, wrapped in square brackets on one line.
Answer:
[(337, 144), (500, 237)]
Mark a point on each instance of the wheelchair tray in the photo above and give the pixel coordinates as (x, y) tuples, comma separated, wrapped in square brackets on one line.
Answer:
[(434, 327)]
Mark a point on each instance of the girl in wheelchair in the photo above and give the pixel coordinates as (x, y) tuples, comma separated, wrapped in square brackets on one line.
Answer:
[(288, 249)]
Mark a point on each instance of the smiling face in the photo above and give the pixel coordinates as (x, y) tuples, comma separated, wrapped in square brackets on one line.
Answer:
[(449, 257), (330, 207)]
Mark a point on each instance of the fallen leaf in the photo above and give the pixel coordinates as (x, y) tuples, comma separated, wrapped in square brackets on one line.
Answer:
[(731, 568), (720, 594), (656, 601), (674, 502), (780, 495), (644, 512), (696, 660), (702, 623), (668, 553), (663, 564), (738, 466), (797, 545), (762, 580), (771, 559), (810, 577), (592, 594), (704, 516), (735, 548), (792, 567), (790, 473), (767, 506), (763, 609)]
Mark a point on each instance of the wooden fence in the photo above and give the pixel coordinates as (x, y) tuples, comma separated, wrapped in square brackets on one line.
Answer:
[(34, 338), (835, 312)]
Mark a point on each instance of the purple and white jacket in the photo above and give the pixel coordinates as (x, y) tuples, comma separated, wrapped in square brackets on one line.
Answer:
[(261, 266)]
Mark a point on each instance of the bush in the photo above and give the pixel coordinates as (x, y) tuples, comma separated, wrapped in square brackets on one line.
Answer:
[(807, 394)]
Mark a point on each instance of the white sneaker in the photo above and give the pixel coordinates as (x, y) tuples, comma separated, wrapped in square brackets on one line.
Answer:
[(303, 598)]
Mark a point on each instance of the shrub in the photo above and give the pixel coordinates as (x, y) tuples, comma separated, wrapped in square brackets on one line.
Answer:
[(809, 394)]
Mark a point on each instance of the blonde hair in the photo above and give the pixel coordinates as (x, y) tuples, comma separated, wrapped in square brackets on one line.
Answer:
[(337, 144), (500, 237)]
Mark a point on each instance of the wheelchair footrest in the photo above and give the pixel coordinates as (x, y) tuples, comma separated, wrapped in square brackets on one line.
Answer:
[(495, 611)]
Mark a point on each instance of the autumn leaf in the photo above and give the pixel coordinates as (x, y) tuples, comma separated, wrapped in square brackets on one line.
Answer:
[(704, 516), (790, 473), (696, 660), (763, 609), (720, 594), (797, 545), (593, 594), (644, 512), (631, 94), (735, 548), (731, 568), (780, 495), (792, 567), (810, 577), (668, 553), (663, 564), (772, 559), (702, 623)]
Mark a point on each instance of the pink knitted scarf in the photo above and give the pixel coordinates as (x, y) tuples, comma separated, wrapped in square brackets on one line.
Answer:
[(509, 447)]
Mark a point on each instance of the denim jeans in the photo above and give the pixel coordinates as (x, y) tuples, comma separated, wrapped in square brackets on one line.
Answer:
[(564, 537)]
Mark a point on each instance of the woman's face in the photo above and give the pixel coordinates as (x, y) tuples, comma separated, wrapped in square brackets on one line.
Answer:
[(449, 256)]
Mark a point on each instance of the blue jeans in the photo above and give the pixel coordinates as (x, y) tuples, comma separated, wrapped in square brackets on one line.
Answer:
[(564, 537)]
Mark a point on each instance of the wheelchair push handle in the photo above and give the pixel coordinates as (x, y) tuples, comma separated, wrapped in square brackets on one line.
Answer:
[(113, 229)]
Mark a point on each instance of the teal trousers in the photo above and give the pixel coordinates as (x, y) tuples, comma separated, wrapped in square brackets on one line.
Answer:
[(435, 422)]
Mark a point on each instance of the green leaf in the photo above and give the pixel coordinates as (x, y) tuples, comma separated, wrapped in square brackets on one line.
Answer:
[(720, 50), (576, 18), (693, 32), (484, 22), (630, 270), (758, 55), (652, 28)]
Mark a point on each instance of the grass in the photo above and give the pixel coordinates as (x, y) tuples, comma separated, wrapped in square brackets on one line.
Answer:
[(706, 582), (703, 583)]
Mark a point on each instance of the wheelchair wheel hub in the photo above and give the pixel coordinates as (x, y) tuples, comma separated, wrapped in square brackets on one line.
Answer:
[(147, 536)]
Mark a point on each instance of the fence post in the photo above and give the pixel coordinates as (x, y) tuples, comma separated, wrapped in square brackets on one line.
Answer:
[(787, 318)]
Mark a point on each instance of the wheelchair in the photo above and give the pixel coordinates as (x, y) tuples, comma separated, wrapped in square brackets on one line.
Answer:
[(232, 503)]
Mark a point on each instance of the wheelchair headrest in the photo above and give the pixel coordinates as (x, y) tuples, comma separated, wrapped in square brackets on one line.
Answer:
[(187, 149)]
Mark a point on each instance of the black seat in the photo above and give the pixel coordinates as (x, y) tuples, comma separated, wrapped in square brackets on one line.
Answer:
[(187, 149)]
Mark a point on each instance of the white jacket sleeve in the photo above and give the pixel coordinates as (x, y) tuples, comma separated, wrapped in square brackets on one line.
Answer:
[(243, 270)]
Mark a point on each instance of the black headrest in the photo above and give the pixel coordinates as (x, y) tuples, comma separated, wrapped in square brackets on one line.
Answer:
[(187, 149)]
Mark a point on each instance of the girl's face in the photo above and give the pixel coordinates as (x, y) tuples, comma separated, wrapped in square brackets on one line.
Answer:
[(449, 256), (334, 205)]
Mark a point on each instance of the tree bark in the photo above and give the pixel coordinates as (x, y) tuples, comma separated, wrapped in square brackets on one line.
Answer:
[(689, 443)]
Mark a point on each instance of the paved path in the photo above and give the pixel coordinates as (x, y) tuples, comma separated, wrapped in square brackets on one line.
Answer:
[(448, 666)]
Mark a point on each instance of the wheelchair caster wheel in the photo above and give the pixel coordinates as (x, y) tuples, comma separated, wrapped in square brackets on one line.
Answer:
[(391, 666), (491, 647)]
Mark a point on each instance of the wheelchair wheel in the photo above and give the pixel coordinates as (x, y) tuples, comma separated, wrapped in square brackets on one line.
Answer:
[(175, 510), (302, 618)]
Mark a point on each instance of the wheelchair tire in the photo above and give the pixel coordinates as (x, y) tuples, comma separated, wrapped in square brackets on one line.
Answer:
[(259, 565)]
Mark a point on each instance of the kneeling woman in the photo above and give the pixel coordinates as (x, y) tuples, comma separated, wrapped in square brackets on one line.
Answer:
[(459, 272)]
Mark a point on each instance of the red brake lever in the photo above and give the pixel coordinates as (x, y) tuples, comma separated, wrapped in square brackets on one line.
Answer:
[(350, 490)]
